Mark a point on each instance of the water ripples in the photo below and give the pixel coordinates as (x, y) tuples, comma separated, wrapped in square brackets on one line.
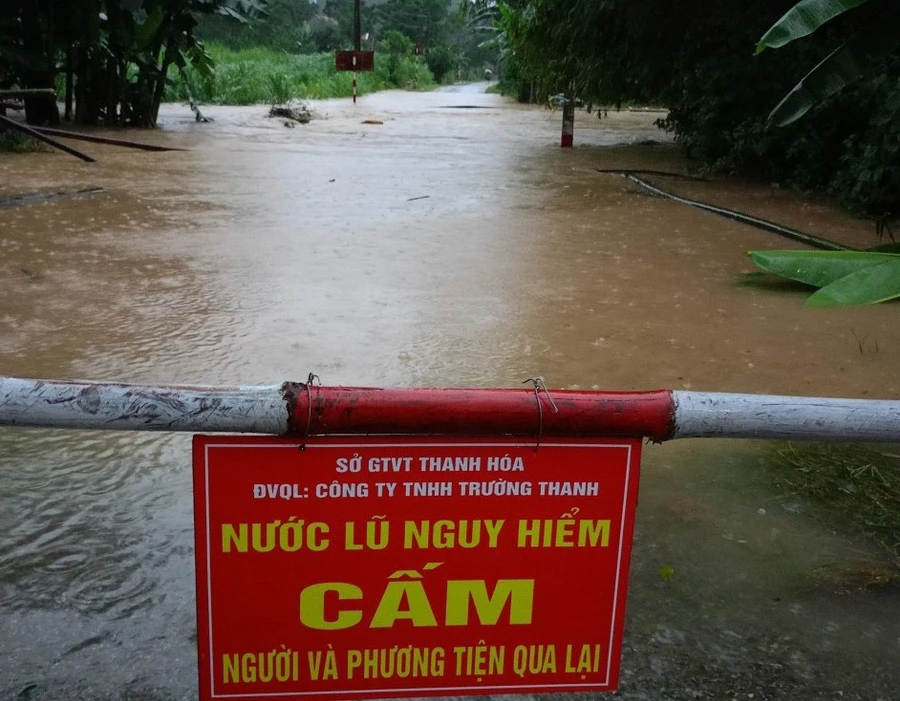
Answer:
[(86, 518)]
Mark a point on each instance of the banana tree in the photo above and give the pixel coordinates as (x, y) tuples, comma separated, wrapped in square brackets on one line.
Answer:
[(878, 37)]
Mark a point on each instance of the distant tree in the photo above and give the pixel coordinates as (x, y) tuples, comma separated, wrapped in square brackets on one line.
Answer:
[(426, 22), (397, 46), (286, 25), (442, 60)]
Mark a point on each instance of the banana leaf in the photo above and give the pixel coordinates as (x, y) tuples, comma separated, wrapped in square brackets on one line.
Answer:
[(818, 268), (842, 66), (876, 283), (145, 32), (803, 19)]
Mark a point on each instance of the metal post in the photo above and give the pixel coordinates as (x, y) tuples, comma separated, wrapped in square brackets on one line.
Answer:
[(295, 408), (568, 123)]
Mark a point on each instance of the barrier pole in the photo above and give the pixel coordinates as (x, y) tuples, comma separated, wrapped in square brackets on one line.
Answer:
[(296, 408)]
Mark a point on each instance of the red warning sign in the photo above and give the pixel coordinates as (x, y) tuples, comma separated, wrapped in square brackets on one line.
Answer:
[(354, 60), (384, 567)]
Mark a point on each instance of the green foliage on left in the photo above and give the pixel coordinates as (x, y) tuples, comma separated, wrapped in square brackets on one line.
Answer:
[(17, 142), (116, 54)]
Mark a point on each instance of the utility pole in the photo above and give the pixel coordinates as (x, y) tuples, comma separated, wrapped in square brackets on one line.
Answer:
[(357, 41)]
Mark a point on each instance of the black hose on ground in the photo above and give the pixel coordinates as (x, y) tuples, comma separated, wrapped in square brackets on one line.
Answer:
[(764, 224), (662, 173), (30, 199)]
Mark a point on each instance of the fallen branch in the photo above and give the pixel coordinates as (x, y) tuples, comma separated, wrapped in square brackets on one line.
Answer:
[(63, 133), (29, 92)]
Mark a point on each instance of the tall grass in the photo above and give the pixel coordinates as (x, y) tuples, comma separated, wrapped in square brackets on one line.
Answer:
[(858, 484), (264, 75)]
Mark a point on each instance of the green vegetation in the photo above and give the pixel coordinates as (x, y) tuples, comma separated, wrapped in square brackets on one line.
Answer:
[(845, 277), (115, 54), (842, 66), (114, 61), (261, 75), (696, 59), (859, 485), (17, 142), (447, 45)]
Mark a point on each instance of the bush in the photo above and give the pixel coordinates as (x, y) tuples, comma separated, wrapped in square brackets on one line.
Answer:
[(442, 61)]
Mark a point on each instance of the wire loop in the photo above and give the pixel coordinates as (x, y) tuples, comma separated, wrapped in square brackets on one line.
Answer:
[(309, 381), (539, 386)]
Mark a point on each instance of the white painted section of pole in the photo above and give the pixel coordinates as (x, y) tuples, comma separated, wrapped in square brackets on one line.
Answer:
[(106, 405), (723, 415)]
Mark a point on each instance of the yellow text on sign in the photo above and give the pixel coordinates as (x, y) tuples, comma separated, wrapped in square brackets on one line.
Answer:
[(407, 600)]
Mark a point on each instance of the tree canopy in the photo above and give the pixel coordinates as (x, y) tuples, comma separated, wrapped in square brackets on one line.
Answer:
[(115, 54), (696, 58)]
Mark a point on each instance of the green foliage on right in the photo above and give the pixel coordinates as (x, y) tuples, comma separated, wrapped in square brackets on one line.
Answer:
[(696, 58), (844, 277), (842, 66), (17, 142), (802, 20)]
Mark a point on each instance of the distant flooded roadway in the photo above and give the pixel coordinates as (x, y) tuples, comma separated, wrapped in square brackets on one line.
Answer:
[(439, 239)]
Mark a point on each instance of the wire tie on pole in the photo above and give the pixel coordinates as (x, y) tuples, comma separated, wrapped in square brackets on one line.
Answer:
[(539, 385), (309, 381)]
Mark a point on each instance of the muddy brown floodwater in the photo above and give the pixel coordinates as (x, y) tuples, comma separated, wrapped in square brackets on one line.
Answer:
[(454, 244)]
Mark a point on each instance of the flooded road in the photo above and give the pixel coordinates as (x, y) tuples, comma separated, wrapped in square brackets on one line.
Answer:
[(449, 242)]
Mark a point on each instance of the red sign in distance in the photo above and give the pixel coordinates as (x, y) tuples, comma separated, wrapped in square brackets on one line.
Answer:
[(361, 61), (384, 567)]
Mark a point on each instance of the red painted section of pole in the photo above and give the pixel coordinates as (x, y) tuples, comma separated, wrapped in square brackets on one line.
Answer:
[(568, 125), (357, 410)]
